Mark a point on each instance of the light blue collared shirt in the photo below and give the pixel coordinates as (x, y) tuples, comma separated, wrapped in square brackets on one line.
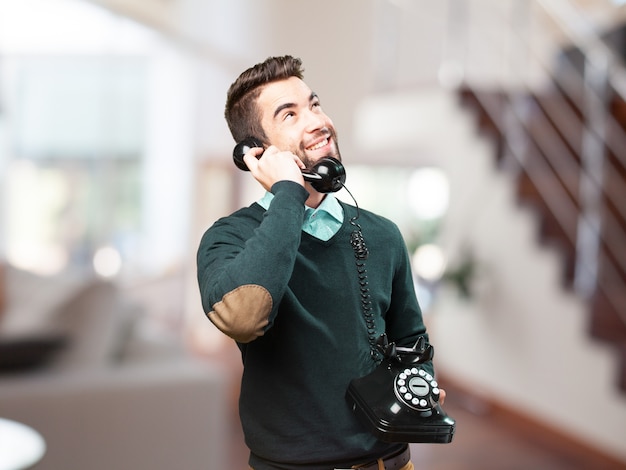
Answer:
[(322, 222)]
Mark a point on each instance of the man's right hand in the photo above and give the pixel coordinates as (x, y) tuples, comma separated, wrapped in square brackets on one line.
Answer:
[(276, 165)]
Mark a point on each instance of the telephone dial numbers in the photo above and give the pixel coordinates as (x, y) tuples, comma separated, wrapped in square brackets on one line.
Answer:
[(416, 388)]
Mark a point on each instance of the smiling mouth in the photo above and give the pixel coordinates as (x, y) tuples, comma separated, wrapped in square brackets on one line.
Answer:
[(319, 145)]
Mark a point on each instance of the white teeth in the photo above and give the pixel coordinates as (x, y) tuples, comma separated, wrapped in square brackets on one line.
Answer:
[(319, 145)]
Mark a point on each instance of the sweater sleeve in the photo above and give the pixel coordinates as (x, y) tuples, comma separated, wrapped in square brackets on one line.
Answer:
[(244, 267), (405, 323)]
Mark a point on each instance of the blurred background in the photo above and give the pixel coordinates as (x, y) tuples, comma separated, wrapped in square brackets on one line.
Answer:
[(491, 131)]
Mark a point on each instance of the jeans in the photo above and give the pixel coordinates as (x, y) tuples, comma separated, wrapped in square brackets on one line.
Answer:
[(408, 466)]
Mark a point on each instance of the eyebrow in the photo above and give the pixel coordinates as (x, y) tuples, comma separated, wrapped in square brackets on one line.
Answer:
[(312, 97)]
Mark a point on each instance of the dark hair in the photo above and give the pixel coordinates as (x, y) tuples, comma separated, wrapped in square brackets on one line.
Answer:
[(242, 115)]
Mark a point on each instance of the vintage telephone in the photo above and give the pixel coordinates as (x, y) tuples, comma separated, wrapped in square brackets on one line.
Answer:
[(399, 400), (327, 176)]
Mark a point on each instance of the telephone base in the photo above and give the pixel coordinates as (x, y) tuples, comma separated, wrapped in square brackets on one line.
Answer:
[(374, 402)]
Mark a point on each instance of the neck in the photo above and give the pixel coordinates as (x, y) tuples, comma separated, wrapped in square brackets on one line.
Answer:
[(315, 198)]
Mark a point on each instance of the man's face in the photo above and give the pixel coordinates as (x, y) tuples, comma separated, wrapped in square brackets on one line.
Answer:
[(293, 120)]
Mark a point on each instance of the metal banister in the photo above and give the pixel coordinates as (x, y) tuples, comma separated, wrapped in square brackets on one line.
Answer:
[(582, 35), (604, 73)]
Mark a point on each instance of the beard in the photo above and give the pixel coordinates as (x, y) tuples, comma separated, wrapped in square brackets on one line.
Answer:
[(309, 162)]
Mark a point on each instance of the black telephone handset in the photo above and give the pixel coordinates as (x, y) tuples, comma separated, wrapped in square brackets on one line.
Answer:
[(399, 400), (327, 176)]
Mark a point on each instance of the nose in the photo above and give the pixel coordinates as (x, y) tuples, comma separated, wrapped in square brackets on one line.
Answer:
[(316, 120)]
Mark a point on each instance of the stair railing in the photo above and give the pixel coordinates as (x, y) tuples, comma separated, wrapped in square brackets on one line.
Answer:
[(603, 73)]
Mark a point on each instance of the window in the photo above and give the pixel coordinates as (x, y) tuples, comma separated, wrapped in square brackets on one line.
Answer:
[(78, 144)]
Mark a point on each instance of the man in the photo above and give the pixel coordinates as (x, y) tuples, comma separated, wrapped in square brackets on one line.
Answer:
[(280, 277)]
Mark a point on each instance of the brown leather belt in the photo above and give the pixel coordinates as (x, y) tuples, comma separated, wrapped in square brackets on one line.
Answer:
[(391, 462)]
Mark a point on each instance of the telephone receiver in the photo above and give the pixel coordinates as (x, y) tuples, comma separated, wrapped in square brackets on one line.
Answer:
[(327, 176), (399, 400)]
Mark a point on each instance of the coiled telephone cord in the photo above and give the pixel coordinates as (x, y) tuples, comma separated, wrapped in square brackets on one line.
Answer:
[(361, 253)]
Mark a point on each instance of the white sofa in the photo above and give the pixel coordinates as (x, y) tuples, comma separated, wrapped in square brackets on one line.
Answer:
[(110, 398)]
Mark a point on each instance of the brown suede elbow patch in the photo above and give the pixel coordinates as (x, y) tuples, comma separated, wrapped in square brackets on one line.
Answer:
[(243, 313)]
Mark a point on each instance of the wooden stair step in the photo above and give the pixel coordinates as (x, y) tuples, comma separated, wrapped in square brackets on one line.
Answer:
[(548, 180)]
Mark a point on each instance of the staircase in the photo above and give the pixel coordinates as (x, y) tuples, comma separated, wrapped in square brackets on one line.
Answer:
[(565, 146)]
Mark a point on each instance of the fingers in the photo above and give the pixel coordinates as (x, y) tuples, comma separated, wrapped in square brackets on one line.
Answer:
[(274, 166), (251, 157)]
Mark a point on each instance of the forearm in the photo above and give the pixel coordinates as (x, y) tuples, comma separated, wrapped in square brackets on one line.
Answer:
[(243, 270)]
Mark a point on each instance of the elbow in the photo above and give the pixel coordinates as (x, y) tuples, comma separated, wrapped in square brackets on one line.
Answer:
[(243, 313)]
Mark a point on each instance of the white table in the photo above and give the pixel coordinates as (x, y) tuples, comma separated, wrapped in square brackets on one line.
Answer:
[(20, 446)]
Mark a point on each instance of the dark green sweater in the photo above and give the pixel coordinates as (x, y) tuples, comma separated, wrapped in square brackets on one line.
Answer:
[(292, 302)]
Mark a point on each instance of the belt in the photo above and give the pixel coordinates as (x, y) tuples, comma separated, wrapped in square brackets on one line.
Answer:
[(390, 462)]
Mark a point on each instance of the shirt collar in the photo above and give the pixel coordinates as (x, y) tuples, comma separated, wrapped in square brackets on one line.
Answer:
[(329, 204)]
